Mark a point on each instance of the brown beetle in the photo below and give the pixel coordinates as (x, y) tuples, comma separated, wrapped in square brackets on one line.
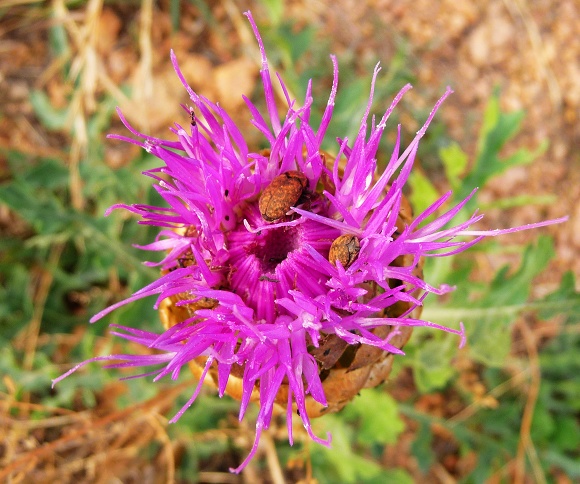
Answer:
[(282, 194), (344, 249)]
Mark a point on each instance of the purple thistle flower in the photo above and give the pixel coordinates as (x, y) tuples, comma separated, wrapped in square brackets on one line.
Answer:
[(259, 294)]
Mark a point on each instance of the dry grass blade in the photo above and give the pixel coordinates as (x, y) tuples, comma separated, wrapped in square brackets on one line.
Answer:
[(518, 8), (84, 67), (272, 459), (82, 445), (143, 88), (526, 446), (494, 393), (31, 332)]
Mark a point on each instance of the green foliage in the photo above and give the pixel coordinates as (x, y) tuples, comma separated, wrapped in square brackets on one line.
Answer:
[(430, 361), (376, 416), (556, 428), (275, 9), (422, 447), (455, 162), (488, 312), (498, 128), (77, 248), (424, 192), (344, 462), (49, 116)]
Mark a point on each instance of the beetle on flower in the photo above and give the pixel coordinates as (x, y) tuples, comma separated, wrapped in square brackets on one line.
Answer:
[(278, 268)]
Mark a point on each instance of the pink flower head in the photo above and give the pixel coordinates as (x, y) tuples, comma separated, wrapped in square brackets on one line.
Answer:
[(274, 291)]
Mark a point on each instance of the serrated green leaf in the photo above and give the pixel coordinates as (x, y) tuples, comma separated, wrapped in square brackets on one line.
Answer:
[(497, 129), (455, 162), (487, 318), (423, 192), (431, 366), (377, 417), (340, 463)]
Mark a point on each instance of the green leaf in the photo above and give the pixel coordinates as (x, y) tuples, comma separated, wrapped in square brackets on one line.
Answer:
[(16, 305), (519, 201), (174, 14), (543, 423), (47, 174), (455, 162), (59, 39), (488, 316), (49, 116), (505, 290), (340, 463), (291, 43), (275, 10), (570, 466), (498, 128), (377, 416), (431, 363), (421, 447), (423, 192), (564, 300), (567, 434), (43, 210)]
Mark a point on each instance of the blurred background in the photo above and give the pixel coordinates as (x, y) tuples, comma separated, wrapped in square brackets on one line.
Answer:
[(504, 409)]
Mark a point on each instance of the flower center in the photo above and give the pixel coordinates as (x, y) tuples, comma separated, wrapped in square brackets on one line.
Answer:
[(273, 247), (264, 266)]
